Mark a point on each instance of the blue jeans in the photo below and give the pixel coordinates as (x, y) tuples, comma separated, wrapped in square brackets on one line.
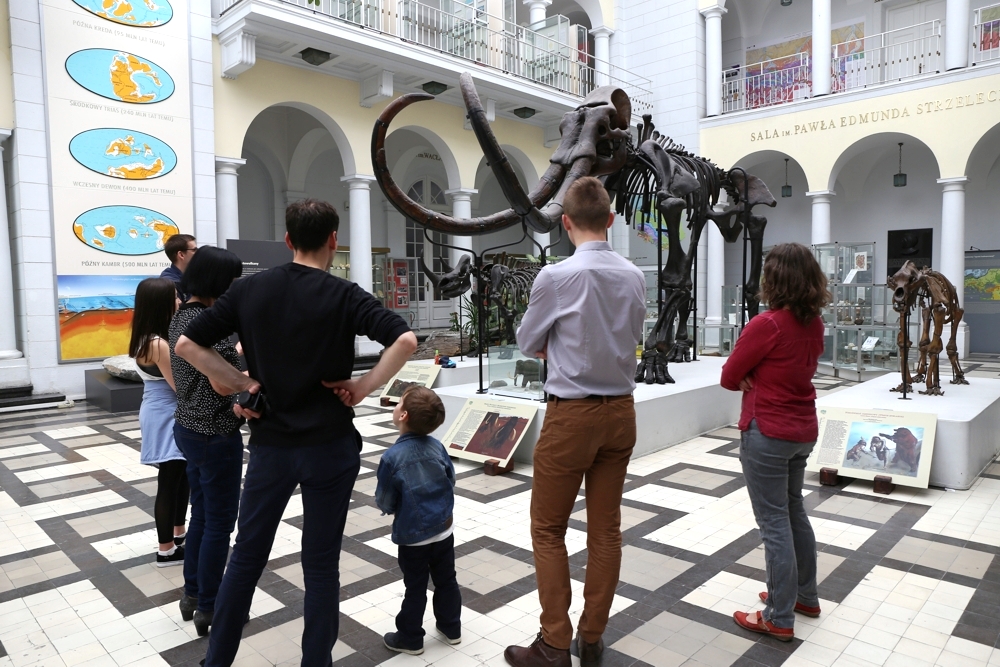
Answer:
[(437, 561), (326, 474), (214, 468), (774, 471)]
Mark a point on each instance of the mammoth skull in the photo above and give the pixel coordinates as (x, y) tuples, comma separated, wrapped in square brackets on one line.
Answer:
[(595, 140)]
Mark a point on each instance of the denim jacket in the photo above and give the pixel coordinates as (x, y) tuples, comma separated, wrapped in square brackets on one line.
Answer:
[(416, 483)]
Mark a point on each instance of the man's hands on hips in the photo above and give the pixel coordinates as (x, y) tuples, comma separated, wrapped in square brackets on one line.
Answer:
[(350, 392), (354, 390)]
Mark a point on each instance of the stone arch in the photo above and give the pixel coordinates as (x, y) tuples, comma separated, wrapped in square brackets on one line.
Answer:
[(442, 149), (869, 150), (315, 142), (339, 137)]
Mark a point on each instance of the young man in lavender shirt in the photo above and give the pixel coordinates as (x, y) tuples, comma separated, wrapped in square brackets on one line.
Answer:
[(585, 316)]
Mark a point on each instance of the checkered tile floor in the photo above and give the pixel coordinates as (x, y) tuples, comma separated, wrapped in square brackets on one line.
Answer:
[(911, 579)]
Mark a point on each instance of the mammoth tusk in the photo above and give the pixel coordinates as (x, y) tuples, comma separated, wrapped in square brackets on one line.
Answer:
[(411, 209), (524, 205)]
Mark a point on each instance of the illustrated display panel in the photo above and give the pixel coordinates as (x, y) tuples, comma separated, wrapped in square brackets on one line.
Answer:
[(119, 128), (488, 429), (865, 443), (410, 375)]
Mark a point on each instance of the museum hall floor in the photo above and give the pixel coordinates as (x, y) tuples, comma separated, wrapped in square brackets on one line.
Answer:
[(911, 579)]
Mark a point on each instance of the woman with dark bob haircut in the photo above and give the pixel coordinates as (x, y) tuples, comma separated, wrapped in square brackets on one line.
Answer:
[(773, 364), (208, 434)]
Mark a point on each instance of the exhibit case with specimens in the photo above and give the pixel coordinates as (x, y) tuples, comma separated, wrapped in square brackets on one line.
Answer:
[(513, 374), (341, 268)]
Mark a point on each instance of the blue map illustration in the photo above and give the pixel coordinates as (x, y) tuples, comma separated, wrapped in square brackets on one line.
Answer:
[(78, 294), (124, 230), (138, 13), (120, 76), (123, 153)]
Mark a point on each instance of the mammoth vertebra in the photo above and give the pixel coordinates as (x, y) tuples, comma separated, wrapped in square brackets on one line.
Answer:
[(595, 142)]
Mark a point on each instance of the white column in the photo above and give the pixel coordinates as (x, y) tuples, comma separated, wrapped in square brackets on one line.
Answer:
[(958, 24), (536, 10), (461, 209), (361, 229), (715, 267), (713, 60), (602, 54), (227, 200), (822, 55), (952, 263), (821, 215), (8, 332)]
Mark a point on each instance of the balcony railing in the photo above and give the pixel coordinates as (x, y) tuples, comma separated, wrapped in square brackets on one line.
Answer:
[(866, 61), (987, 34), (766, 84), (888, 56), (488, 41)]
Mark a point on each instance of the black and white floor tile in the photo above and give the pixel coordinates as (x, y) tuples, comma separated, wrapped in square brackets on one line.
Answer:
[(907, 580)]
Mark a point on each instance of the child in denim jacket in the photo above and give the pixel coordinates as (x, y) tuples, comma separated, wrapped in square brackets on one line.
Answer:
[(416, 483)]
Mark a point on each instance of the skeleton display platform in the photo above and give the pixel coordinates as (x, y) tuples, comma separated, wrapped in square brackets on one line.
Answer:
[(465, 371), (666, 414), (968, 421)]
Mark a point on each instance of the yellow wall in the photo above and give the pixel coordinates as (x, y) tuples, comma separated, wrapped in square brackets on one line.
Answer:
[(6, 69), (238, 101), (950, 118)]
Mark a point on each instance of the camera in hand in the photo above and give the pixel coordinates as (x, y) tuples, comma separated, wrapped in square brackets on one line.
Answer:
[(255, 402)]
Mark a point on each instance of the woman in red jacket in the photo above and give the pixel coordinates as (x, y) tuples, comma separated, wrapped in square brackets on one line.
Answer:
[(773, 364)]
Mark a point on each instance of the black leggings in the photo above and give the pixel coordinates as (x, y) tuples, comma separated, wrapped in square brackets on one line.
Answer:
[(172, 494)]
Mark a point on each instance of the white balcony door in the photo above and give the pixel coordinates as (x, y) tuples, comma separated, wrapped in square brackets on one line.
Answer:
[(908, 51), (428, 312)]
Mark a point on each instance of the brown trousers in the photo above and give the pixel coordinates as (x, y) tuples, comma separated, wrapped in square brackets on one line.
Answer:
[(588, 439)]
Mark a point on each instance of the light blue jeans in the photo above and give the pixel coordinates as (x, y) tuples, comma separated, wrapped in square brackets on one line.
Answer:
[(774, 471)]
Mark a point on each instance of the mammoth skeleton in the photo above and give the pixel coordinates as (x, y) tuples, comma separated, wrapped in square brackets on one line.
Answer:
[(657, 179)]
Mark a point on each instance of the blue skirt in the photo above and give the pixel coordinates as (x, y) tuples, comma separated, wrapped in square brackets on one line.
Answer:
[(156, 421)]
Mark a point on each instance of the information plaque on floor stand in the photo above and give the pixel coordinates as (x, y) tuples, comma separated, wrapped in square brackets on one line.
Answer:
[(871, 444), (410, 375), (487, 429)]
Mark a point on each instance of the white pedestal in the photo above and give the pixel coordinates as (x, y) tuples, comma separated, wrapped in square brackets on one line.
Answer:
[(466, 371), (967, 427), (14, 373), (665, 414)]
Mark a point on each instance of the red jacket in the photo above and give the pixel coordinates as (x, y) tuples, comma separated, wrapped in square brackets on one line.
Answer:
[(779, 355)]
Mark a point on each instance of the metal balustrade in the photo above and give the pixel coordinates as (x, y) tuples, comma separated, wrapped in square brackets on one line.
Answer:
[(986, 30), (887, 56), (470, 34), (766, 83)]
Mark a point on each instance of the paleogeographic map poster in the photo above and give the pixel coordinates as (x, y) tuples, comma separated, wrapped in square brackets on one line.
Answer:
[(864, 443), (488, 429), (117, 88)]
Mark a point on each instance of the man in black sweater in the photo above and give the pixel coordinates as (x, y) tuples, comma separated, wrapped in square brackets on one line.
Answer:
[(297, 324)]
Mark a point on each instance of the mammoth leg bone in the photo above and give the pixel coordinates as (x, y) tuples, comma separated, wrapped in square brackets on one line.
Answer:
[(924, 342), (957, 376), (934, 348), (755, 230), (903, 343)]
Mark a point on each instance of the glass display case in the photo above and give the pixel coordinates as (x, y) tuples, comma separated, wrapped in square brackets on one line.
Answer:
[(865, 348), (849, 263), (732, 295), (852, 305), (341, 268), (513, 374)]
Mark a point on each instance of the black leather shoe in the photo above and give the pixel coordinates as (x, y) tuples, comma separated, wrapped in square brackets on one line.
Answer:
[(589, 654), (202, 621), (539, 654), (188, 604)]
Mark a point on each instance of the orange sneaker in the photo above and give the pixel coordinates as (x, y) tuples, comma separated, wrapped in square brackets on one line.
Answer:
[(754, 622), (812, 612)]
